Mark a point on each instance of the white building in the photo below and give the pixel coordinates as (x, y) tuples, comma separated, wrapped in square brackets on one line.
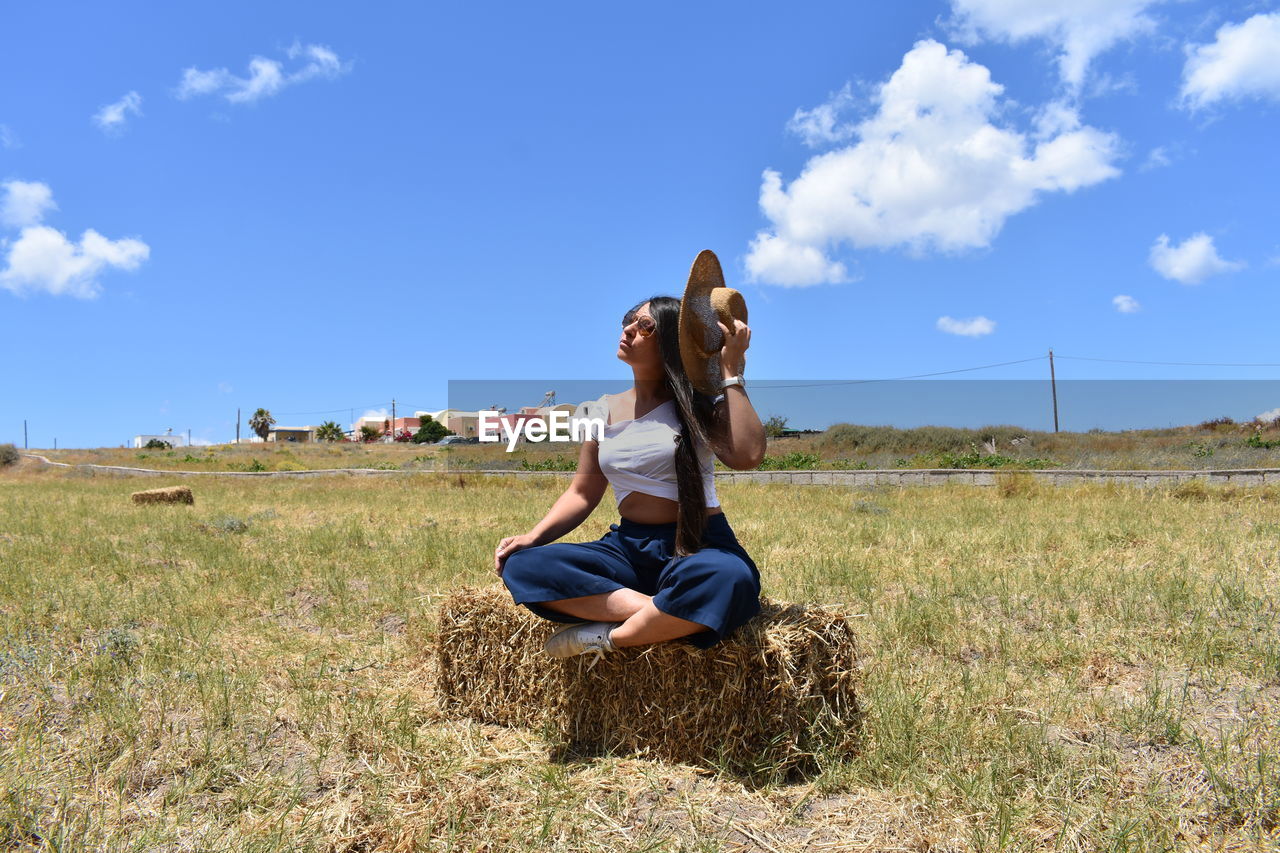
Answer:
[(169, 438)]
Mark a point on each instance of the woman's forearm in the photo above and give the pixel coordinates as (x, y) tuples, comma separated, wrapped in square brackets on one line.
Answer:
[(744, 438), (569, 511)]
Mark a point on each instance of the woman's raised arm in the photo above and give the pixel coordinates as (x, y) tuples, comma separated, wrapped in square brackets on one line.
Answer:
[(738, 438)]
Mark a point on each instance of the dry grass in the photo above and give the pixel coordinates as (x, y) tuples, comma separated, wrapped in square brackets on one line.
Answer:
[(1081, 668)]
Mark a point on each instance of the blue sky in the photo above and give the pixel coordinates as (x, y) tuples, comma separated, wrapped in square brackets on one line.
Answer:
[(318, 207)]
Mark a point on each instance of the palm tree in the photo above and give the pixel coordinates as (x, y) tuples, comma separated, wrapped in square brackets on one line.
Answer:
[(261, 423), (329, 431)]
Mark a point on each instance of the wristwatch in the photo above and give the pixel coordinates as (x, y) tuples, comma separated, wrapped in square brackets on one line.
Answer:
[(734, 380)]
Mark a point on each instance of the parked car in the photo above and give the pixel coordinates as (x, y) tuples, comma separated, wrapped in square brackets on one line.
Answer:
[(458, 439)]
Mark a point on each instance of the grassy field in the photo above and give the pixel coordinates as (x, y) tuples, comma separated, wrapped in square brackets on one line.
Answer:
[(1046, 668), (843, 446)]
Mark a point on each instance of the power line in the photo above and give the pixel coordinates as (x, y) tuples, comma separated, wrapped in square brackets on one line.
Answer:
[(329, 411), (899, 378), (1173, 363)]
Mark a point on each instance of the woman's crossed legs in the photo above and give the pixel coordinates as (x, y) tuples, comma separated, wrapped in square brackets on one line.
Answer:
[(642, 623)]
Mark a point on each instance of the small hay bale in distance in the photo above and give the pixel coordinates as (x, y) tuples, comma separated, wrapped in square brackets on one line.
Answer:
[(170, 495), (773, 698)]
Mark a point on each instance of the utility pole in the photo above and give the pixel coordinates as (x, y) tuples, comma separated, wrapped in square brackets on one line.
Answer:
[(24, 434), (237, 426), (188, 436), (393, 418), (1053, 384)]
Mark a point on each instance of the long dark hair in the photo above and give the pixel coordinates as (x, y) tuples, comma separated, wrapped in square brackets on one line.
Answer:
[(695, 411)]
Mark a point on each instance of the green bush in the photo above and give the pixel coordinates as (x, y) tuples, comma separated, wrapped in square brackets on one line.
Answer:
[(1254, 440), (555, 463), (8, 455), (430, 431), (157, 444), (791, 462), (775, 426)]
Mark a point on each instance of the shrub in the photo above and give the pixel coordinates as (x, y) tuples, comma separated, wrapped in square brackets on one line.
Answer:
[(791, 462), (157, 444), (1255, 440), (369, 433), (430, 431), (1212, 425), (775, 426), (229, 524), (8, 455), (554, 463), (404, 435), (976, 459)]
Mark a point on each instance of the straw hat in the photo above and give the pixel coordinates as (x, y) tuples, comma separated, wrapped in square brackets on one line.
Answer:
[(705, 301)]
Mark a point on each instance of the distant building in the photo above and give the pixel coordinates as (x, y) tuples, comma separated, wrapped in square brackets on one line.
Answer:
[(169, 438), (455, 420), (299, 434), (377, 422)]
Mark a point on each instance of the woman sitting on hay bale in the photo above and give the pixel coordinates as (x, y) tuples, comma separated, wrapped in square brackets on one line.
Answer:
[(672, 567)]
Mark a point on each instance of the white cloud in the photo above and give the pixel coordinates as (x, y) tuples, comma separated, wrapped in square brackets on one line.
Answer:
[(929, 170), (1191, 262), (1267, 417), (321, 62), (383, 414), (1126, 304), (197, 82), (8, 139), (1240, 63), (225, 388), (112, 117), (25, 203), (777, 260), (1080, 30), (266, 77), (43, 259), (823, 124), (197, 441), (1157, 159), (974, 327)]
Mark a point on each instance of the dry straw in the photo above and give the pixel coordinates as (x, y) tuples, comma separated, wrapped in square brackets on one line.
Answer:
[(171, 495), (775, 698)]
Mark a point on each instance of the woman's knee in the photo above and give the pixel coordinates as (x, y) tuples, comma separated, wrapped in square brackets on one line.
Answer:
[(723, 568), (519, 567)]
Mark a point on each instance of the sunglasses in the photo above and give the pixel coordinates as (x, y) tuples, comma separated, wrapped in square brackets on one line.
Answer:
[(645, 326)]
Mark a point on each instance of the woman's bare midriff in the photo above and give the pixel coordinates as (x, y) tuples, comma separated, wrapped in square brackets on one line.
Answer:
[(651, 509)]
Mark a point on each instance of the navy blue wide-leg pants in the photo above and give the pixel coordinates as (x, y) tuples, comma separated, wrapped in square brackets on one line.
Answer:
[(718, 586)]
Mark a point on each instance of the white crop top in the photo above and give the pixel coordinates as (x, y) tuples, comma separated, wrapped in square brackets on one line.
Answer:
[(639, 455)]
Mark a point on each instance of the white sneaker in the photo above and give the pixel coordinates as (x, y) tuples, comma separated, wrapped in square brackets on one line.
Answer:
[(581, 639)]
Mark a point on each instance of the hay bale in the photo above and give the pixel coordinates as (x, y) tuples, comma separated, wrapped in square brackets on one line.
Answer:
[(772, 698), (171, 495)]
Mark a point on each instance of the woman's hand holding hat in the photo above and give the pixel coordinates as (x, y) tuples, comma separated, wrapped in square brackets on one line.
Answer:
[(733, 355)]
